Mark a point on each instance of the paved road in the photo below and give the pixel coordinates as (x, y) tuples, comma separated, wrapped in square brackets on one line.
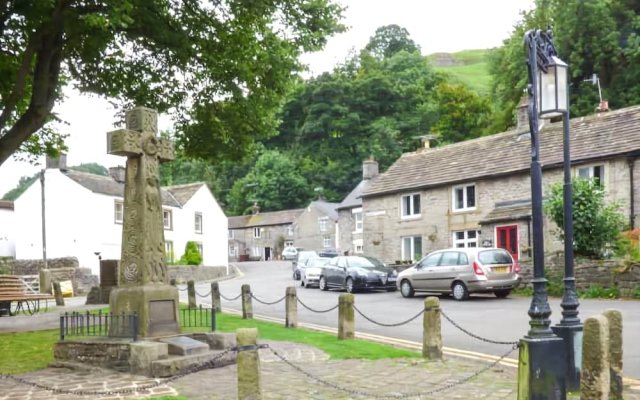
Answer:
[(487, 316)]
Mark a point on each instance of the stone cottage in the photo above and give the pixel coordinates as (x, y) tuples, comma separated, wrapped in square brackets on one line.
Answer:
[(477, 192)]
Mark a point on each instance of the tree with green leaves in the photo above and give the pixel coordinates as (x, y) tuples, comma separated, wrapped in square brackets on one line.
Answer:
[(274, 183), (221, 67), (389, 40), (596, 224), (23, 184), (91, 168)]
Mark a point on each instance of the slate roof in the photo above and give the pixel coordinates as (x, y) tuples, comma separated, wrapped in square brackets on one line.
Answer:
[(264, 219), (353, 199), (329, 209), (599, 136), (108, 186), (184, 193), (6, 204), (509, 211)]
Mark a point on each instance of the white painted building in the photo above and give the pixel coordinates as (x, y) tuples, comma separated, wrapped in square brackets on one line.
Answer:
[(84, 215), (7, 239)]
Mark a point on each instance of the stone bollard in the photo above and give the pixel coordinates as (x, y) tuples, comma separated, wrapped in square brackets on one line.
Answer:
[(432, 331), (215, 297), (346, 320), (57, 292), (248, 364), (594, 379), (45, 279), (247, 306), (291, 306), (614, 317), (191, 291)]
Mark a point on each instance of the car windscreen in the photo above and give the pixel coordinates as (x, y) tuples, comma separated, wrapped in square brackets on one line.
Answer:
[(317, 262), (365, 262), (492, 257)]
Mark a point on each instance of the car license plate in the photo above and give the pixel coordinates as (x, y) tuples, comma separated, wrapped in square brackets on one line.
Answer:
[(500, 270)]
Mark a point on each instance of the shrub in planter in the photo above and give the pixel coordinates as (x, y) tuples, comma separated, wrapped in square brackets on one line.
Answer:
[(191, 255)]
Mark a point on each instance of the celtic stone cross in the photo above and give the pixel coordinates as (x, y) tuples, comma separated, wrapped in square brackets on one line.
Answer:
[(142, 261)]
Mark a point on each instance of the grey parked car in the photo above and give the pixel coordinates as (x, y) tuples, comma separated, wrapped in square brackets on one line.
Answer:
[(462, 271)]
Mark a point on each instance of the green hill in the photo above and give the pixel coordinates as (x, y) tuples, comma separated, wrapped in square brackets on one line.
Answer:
[(468, 66)]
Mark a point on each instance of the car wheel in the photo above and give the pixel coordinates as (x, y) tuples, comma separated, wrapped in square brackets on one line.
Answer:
[(501, 294), (459, 291), (323, 284), (406, 289), (348, 284)]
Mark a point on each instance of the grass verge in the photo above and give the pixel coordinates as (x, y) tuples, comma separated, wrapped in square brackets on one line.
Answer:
[(30, 351)]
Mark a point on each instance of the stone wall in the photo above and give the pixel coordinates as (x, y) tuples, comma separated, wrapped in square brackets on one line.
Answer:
[(62, 269), (590, 273), (184, 273), (113, 354)]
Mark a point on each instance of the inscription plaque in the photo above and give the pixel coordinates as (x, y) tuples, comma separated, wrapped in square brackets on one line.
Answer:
[(162, 317)]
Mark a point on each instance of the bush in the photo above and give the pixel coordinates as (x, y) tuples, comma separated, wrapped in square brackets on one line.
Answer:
[(191, 255), (596, 225)]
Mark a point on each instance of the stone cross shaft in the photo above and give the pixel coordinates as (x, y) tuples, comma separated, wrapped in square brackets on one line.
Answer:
[(143, 258)]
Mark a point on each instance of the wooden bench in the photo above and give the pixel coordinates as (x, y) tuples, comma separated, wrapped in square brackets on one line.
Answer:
[(14, 290)]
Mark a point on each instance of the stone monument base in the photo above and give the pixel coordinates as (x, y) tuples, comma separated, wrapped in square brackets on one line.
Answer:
[(155, 305)]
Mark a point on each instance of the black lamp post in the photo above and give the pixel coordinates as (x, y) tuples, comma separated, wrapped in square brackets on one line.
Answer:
[(542, 356)]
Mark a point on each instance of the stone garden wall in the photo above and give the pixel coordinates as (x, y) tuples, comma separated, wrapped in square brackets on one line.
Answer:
[(184, 273), (62, 269), (589, 273)]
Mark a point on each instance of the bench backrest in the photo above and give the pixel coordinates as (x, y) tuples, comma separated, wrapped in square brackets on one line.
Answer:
[(12, 284)]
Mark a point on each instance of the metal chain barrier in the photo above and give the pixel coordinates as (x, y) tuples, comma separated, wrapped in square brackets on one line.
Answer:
[(390, 325), (268, 303), (229, 299), (355, 392), (316, 311), (482, 339), (196, 368), (203, 295)]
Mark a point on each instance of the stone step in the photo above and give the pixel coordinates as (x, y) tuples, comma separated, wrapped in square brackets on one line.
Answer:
[(176, 364), (184, 345)]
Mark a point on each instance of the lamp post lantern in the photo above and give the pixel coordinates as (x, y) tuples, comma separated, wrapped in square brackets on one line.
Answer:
[(542, 356)]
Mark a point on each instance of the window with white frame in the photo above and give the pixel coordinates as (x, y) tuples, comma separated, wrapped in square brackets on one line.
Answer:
[(326, 241), (595, 172), (464, 197), (200, 249), (290, 230), (410, 205), (411, 247), (233, 250), (257, 233), (357, 217), (167, 219), (468, 238), (118, 212), (256, 252), (322, 223), (231, 234), (197, 221), (168, 251), (357, 246)]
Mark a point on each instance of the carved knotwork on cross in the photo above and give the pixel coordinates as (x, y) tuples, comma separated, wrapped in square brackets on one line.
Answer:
[(143, 259)]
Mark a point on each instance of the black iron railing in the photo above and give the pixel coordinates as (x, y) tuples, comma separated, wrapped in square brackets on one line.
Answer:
[(199, 317), (99, 324)]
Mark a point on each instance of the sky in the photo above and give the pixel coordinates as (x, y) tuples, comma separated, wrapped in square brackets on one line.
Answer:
[(435, 25)]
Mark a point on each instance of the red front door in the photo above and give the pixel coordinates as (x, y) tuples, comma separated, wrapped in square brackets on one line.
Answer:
[(507, 238)]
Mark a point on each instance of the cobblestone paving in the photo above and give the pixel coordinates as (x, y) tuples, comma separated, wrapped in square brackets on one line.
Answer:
[(360, 379)]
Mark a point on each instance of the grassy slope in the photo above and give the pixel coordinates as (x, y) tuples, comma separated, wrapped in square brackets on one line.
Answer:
[(472, 69)]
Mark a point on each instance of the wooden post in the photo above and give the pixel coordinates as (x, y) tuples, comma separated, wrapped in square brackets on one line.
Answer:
[(248, 365), (57, 292), (291, 306), (215, 297), (346, 316), (247, 305), (615, 353), (594, 379), (191, 290)]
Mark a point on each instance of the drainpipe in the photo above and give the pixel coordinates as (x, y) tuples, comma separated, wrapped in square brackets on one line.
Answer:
[(632, 212)]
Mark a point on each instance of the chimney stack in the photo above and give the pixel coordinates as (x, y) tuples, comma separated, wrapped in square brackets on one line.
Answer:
[(522, 115), (59, 163), (603, 106), (369, 168), (255, 209), (117, 173)]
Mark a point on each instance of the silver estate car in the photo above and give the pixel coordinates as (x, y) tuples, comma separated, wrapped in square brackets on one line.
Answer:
[(462, 271)]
